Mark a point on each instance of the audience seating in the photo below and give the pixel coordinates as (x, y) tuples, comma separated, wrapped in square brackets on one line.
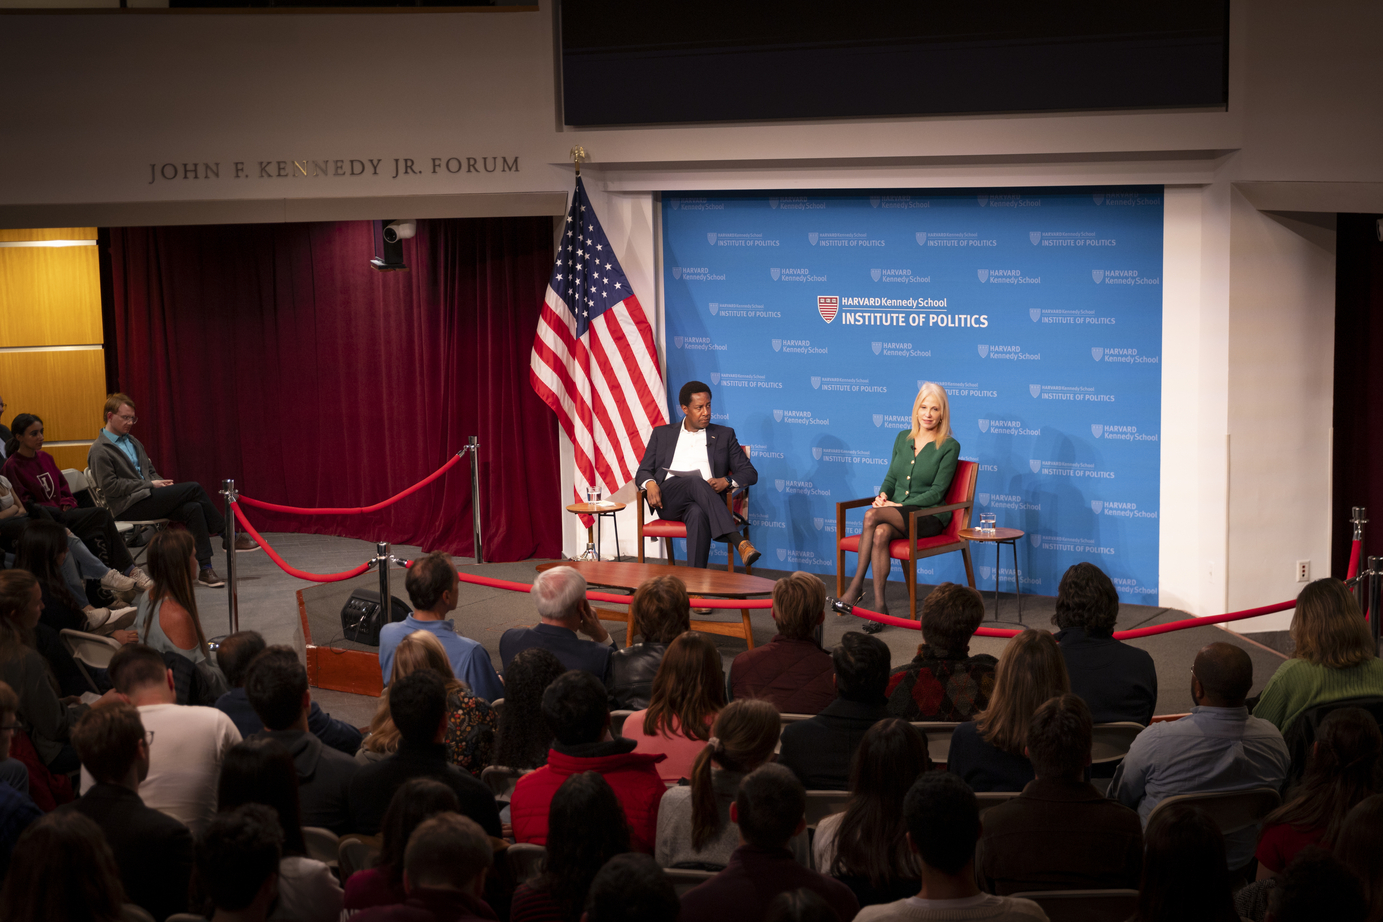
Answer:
[(617, 719), (737, 501), (132, 913), (960, 499), (1301, 735), (186, 917), (793, 718), (525, 860), (322, 844), (501, 780), (821, 804), (1230, 810), (81, 480), (1084, 905), (684, 879), (498, 705), (938, 735), (89, 650), (1110, 742), (354, 855), (989, 799)]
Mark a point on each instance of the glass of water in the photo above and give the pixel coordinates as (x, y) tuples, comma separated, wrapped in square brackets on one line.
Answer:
[(987, 523)]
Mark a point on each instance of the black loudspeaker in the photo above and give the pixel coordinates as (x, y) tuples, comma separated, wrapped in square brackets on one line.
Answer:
[(362, 616)]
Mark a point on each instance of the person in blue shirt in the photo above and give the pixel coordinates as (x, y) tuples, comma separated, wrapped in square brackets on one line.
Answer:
[(434, 589)]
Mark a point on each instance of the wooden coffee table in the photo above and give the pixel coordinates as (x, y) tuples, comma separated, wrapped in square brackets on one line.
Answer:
[(628, 576), (997, 537)]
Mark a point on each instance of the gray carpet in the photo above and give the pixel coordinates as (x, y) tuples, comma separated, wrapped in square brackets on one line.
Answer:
[(268, 604)]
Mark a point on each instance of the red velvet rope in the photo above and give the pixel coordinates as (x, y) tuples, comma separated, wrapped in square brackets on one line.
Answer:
[(354, 510), (1118, 635), (1354, 551), (284, 565)]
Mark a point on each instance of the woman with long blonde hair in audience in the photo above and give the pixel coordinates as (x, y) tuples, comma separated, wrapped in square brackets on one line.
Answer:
[(988, 751), (694, 828), (688, 693), (471, 722), (1334, 656), (167, 619)]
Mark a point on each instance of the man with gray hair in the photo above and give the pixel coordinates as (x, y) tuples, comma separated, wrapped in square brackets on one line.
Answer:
[(560, 595)]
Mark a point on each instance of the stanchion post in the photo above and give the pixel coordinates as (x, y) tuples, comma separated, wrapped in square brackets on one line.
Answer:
[(474, 446), (233, 601), (1375, 586), (386, 599)]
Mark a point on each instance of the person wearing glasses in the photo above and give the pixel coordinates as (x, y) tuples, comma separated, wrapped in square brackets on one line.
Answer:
[(133, 490)]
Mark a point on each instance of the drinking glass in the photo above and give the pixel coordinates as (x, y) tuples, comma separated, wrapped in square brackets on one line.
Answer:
[(987, 523)]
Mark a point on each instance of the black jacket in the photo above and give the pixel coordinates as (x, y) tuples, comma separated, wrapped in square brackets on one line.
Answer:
[(374, 785), (153, 850), (723, 451), (632, 669), (324, 779), (1118, 681), (819, 750)]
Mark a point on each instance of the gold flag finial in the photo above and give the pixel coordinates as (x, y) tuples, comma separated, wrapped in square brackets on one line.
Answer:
[(578, 153)]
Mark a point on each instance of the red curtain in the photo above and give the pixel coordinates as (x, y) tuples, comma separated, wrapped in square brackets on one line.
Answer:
[(277, 356)]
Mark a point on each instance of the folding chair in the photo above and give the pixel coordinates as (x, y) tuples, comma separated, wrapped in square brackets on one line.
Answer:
[(617, 719), (1110, 742), (938, 735), (322, 844), (821, 804), (525, 860), (91, 650), (123, 526), (501, 780), (1084, 905), (684, 879), (354, 855), (989, 799), (1229, 810)]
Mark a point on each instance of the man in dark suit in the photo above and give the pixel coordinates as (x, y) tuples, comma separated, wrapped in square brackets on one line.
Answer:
[(560, 597), (819, 750), (153, 850), (714, 462)]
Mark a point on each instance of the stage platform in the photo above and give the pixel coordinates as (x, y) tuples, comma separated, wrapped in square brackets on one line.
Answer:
[(270, 604)]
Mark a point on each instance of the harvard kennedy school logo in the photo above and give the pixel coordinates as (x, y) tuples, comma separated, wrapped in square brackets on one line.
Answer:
[(826, 306)]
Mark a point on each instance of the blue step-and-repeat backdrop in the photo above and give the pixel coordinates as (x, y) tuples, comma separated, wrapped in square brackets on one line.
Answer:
[(815, 317)]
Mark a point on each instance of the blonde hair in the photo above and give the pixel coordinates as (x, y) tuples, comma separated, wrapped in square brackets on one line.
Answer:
[(1328, 628), (419, 650), (1030, 671), (943, 426)]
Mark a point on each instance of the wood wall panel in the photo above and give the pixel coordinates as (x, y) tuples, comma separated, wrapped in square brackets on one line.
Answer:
[(48, 233), (66, 389), (49, 296), (68, 456)]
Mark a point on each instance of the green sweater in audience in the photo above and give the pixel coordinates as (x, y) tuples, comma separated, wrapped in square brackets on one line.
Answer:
[(1299, 685)]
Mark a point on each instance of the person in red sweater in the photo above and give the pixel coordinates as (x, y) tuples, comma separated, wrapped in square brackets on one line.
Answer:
[(575, 709), (42, 488)]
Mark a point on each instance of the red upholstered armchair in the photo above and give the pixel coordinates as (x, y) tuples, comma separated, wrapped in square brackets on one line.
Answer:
[(960, 499), (737, 501)]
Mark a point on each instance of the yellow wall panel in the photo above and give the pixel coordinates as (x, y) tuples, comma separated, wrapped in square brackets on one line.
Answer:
[(68, 456), (48, 233), (66, 389), (49, 296)]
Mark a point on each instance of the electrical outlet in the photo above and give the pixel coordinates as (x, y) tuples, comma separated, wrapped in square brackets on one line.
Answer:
[(1303, 571)]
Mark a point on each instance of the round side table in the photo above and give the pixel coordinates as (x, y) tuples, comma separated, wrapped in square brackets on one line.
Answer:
[(597, 511), (1000, 536)]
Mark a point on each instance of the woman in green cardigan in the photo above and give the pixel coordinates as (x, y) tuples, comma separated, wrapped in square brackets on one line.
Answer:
[(924, 461), (1334, 656)]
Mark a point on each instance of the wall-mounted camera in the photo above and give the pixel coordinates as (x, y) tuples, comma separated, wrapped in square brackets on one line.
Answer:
[(395, 231), (389, 237)]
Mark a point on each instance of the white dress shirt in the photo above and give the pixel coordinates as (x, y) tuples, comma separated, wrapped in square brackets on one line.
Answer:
[(690, 454)]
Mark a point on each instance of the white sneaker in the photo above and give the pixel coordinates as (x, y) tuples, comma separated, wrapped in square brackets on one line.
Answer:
[(116, 581), (120, 619), (141, 579), (97, 618)]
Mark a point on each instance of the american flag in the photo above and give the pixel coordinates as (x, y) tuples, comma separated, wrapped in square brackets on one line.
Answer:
[(594, 361)]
